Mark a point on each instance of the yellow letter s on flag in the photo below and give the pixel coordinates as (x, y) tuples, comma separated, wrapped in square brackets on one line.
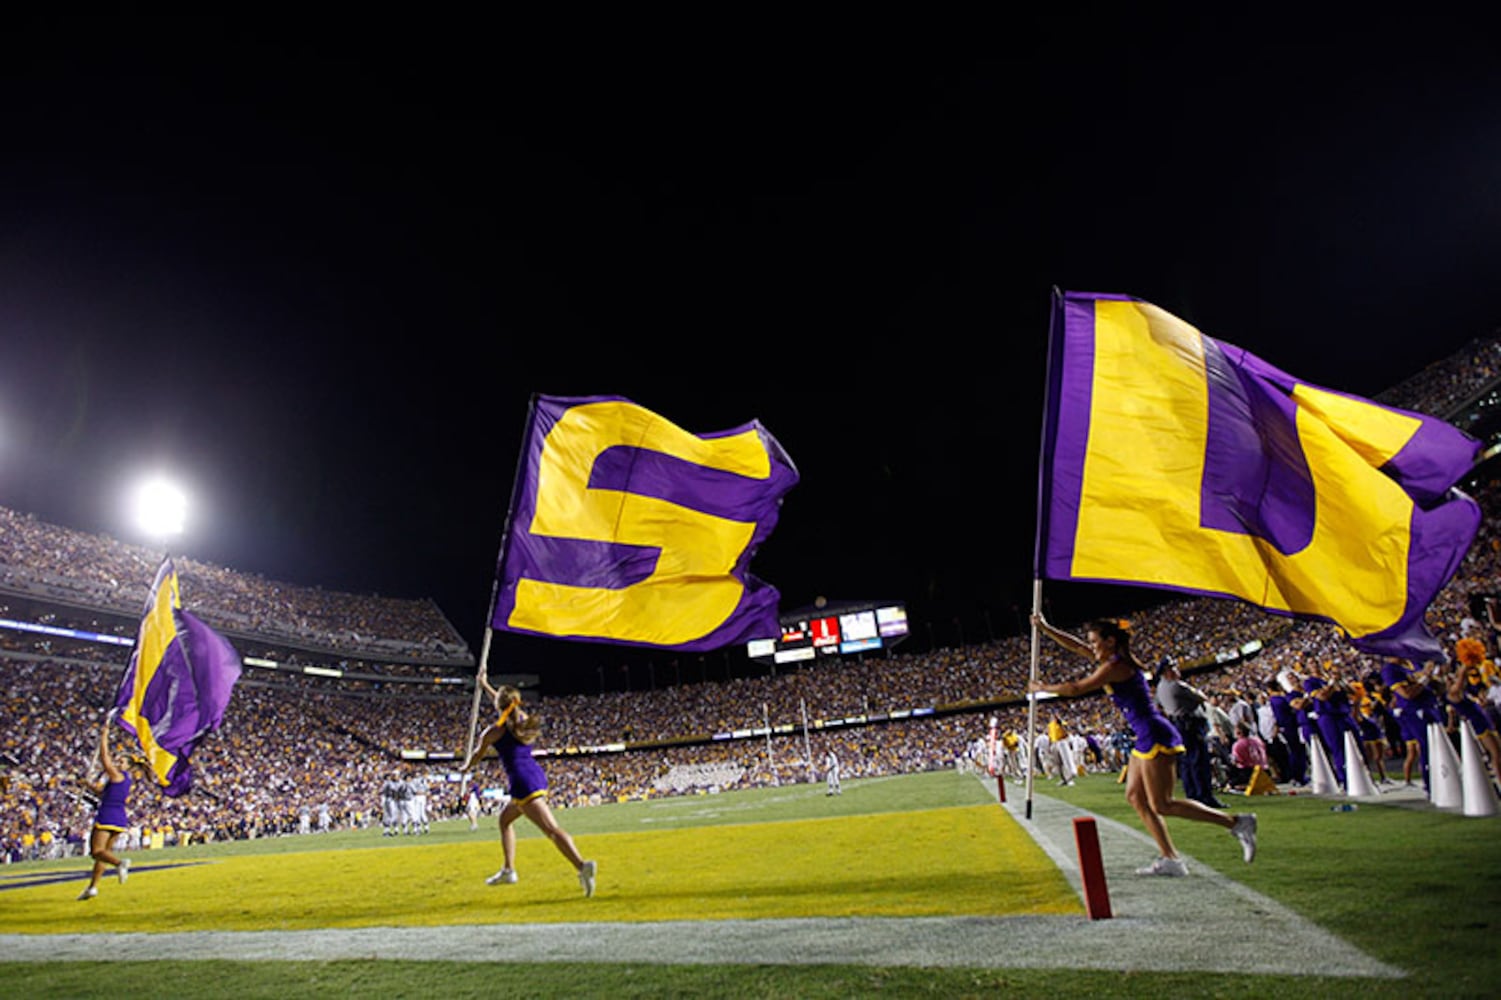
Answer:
[(626, 528)]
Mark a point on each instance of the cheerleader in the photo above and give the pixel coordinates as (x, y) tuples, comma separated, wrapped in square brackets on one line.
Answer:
[(1368, 729), (512, 736), (110, 819), (1149, 776), (1465, 693), (1415, 707)]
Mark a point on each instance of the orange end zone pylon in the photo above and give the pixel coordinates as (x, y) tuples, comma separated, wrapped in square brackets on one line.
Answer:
[(1091, 868)]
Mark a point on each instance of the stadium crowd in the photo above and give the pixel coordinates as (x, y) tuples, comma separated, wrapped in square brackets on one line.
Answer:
[(292, 744), (46, 560)]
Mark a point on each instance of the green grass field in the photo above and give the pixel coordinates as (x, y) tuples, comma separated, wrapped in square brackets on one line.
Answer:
[(1413, 887)]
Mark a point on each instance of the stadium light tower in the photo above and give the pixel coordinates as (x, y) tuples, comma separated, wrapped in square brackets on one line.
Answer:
[(160, 508)]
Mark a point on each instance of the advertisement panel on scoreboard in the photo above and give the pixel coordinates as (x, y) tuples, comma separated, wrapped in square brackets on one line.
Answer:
[(758, 648), (846, 629), (858, 626), (892, 620), (795, 635)]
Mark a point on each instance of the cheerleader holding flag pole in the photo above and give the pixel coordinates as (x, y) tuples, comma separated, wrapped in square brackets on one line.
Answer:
[(1151, 773), (110, 818), (1176, 461), (623, 528), (511, 735)]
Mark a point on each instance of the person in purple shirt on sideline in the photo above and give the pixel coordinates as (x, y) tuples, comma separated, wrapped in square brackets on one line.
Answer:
[(1329, 706), (512, 736), (1290, 735), (1151, 772)]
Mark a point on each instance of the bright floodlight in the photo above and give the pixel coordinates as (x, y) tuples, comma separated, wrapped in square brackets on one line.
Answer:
[(160, 508)]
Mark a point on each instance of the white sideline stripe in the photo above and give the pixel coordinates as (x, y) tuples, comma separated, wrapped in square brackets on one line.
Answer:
[(1184, 924)]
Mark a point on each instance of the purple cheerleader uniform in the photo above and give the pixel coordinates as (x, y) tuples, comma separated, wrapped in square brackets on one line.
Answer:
[(1414, 715), (1469, 709), (522, 771), (1154, 733), (111, 812)]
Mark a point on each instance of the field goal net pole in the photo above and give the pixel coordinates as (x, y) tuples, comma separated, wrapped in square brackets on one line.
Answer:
[(807, 743), (770, 757)]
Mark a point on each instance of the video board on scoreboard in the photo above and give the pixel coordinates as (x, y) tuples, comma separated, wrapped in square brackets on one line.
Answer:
[(850, 629)]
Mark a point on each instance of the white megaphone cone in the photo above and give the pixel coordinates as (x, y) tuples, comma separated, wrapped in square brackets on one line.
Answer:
[(1479, 793), (1323, 782), (1443, 770), (1358, 783)]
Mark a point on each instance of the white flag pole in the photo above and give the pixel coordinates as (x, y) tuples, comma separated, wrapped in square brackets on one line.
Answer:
[(1030, 748), (481, 674), (1043, 498)]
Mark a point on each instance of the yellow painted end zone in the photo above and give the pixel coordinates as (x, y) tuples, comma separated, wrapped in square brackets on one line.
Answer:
[(962, 861)]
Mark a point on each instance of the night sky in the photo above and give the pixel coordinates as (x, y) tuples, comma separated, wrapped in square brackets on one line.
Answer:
[(316, 276)]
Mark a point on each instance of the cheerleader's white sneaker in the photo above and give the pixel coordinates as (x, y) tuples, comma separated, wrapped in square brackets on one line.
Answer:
[(1244, 831), (1171, 867)]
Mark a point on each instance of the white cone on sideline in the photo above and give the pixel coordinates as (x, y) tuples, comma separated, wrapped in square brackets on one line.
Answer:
[(1358, 783), (1475, 782), (1323, 772), (1443, 770)]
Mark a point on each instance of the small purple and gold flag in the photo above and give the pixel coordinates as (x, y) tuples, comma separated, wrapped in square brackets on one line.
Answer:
[(1174, 460), (177, 685), (625, 528)]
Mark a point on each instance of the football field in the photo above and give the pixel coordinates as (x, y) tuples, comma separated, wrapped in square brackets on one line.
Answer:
[(921, 877)]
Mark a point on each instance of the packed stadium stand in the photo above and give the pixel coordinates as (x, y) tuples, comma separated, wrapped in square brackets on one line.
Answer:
[(294, 740)]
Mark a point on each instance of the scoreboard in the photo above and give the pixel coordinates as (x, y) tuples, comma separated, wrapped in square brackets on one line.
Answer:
[(852, 629)]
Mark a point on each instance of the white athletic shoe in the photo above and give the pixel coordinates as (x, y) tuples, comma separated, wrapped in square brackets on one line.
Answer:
[(506, 876), (586, 877), (88, 893), (1173, 867), (123, 870), (1244, 831)]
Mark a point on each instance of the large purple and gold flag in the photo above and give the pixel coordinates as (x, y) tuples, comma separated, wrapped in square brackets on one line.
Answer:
[(177, 685), (625, 528), (1174, 460)]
